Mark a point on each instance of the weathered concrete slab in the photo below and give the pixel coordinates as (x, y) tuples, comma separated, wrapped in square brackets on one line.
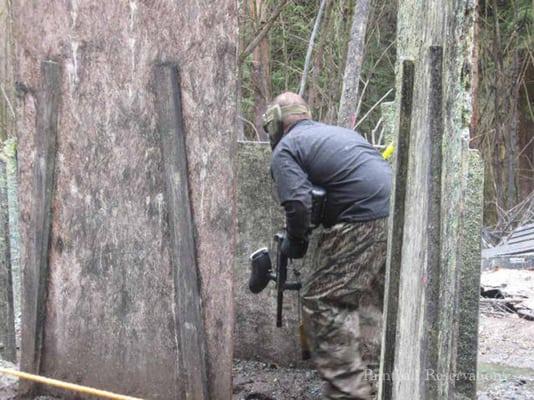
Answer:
[(259, 218), (110, 311)]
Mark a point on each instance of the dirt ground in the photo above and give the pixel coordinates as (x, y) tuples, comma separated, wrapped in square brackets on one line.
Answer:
[(506, 355), (506, 360), (506, 368)]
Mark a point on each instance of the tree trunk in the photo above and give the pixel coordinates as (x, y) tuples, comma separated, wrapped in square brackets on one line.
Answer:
[(512, 129), (351, 79), (499, 147), (311, 44), (318, 61), (525, 136), (261, 73)]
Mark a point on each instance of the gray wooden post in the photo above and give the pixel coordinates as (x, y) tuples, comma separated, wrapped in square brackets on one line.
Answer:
[(396, 230), (469, 278), (387, 110), (7, 317), (188, 312), (423, 327), (7, 119)]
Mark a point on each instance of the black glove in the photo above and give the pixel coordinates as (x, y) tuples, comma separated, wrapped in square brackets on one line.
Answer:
[(294, 248)]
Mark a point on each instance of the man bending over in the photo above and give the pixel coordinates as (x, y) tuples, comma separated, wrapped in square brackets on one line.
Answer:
[(342, 298)]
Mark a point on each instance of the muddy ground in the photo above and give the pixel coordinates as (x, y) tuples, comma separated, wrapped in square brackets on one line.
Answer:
[(506, 368), (506, 360), (506, 354)]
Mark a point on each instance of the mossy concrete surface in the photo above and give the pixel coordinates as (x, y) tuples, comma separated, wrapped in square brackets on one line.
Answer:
[(259, 217)]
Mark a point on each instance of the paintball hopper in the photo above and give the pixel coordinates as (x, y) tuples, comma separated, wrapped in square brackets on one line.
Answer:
[(261, 270)]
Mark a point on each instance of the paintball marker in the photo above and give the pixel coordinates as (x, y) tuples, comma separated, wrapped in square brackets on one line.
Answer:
[(261, 265)]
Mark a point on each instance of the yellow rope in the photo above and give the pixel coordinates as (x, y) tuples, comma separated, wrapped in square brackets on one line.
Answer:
[(65, 385)]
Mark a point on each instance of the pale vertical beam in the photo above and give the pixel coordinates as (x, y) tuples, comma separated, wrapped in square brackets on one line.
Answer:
[(7, 119), (469, 279), (35, 272), (7, 317), (396, 230), (348, 103), (438, 35), (188, 313), (387, 111)]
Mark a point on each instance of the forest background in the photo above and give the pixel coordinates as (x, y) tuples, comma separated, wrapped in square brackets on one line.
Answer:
[(284, 40)]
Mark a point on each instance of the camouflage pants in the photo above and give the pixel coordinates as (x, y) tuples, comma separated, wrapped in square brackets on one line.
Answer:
[(342, 307)]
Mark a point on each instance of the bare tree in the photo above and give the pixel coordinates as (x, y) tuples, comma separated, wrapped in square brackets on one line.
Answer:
[(351, 80), (261, 74), (263, 31), (310, 46)]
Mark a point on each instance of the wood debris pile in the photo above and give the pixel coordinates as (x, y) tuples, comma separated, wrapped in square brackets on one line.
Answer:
[(508, 291), (511, 243)]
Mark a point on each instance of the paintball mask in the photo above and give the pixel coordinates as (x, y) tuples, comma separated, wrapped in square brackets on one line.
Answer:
[(274, 117)]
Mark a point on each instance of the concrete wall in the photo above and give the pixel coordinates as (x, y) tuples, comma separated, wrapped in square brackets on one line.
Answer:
[(109, 313), (259, 218)]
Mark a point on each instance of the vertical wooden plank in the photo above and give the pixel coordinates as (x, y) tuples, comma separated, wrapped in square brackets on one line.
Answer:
[(7, 315), (35, 273), (396, 231), (188, 314), (426, 324), (431, 279), (469, 280), (7, 119)]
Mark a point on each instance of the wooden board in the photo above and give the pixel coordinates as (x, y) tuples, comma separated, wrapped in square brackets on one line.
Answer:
[(35, 277), (469, 279), (187, 312), (8, 350), (395, 233), (524, 246), (438, 37)]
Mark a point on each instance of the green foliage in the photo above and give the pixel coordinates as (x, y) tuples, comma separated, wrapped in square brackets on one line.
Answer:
[(289, 38), (506, 57), (378, 70), (289, 41), (9, 150), (505, 88)]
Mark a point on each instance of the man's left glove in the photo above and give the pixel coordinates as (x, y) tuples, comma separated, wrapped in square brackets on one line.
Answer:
[(293, 247)]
